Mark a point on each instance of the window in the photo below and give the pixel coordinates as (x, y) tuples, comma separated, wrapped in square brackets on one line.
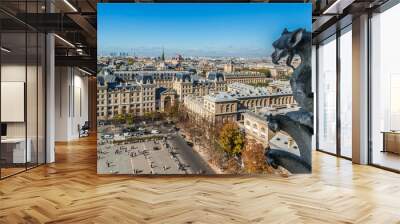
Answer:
[(385, 89), (327, 96), (346, 93)]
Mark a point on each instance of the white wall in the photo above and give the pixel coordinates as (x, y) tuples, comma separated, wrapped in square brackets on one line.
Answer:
[(71, 102), (33, 125), (11, 73), (61, 103), (80, 112)]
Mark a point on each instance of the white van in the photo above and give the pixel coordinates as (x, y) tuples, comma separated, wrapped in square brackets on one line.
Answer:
[(154, 131)]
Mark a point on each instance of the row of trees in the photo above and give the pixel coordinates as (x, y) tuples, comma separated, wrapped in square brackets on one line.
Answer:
[(231, 139), (251, 153), (225, 144), (170, 113), (122, 118)]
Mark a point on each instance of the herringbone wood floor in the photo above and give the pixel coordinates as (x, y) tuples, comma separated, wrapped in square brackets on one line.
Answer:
[(69, 191)]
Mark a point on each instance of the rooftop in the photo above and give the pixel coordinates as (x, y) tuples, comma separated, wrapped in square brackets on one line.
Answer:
[(196, 99), (245, 73), (239, 90), (264, 112), (220, 97)]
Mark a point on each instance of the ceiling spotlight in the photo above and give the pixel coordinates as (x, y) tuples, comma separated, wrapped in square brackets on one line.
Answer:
[(70, 5), (337, 7), (79, 51), (64, 40), (86, 72), (5, 50)]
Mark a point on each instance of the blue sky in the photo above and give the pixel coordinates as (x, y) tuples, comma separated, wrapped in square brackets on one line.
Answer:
[(240, 29)]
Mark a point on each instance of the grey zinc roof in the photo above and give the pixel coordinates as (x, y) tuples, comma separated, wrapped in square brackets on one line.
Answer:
[(220, 97), (243, 90), (264, 112)]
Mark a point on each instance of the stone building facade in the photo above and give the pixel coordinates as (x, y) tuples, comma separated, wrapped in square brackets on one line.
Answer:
[(140, 92), (228, 106), (255, 126), (246, 77)]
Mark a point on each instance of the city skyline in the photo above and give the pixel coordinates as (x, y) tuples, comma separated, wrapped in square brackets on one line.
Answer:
[(202, 30)]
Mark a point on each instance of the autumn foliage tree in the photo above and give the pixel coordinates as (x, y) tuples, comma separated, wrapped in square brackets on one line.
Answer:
[(129, 118), (151, 116), (231, 139), (232, 166), (119, 119), (173, 111), (253, 157)]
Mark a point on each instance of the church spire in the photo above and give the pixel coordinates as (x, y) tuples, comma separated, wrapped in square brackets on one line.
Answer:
[(163, 55)]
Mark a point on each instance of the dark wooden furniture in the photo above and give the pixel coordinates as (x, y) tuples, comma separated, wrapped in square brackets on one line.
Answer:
[(391, 141)]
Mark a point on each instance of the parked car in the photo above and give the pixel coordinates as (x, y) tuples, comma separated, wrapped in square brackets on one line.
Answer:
[(127, 134), (154, 131), (108, 136)]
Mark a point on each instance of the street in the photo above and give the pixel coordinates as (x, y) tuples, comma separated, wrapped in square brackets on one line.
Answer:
[(190, 156)]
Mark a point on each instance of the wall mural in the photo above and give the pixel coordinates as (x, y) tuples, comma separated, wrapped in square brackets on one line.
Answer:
[(204, 89)]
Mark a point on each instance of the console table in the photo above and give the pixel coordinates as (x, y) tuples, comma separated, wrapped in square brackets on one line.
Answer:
[(391, 141)]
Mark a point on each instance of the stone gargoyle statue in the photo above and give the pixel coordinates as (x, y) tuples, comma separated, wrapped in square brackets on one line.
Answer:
[(297, 124)]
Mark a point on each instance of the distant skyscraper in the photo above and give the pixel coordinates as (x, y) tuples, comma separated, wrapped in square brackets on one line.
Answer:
[(163, 55)]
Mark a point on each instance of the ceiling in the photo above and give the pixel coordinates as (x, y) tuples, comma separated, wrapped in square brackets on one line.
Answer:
[(73, 21), (332, 15)]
